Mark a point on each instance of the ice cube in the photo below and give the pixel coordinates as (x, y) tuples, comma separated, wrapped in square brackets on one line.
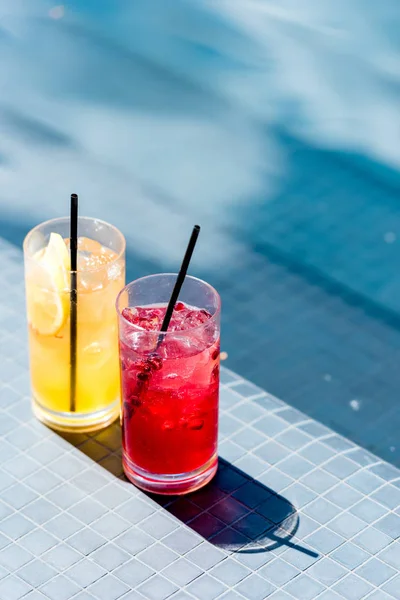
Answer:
[(114, 271)]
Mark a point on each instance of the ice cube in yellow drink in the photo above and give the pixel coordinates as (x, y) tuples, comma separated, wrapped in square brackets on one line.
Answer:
[(101, 275)]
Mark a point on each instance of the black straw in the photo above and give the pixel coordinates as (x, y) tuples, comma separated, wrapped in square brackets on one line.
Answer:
[(73, 299), (179, 282)]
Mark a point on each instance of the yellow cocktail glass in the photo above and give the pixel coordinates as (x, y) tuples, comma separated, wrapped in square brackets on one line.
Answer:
[(100, 276)]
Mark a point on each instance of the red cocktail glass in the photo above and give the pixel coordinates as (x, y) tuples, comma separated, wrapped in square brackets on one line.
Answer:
[(169, 384)]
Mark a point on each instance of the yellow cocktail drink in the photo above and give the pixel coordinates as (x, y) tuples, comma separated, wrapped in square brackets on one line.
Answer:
[(100, 276)]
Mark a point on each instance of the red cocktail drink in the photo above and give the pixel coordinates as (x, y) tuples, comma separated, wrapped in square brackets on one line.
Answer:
[(170, 387)]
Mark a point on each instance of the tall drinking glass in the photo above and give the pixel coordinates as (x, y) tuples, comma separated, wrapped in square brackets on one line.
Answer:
[(85, 395), (170, 384)]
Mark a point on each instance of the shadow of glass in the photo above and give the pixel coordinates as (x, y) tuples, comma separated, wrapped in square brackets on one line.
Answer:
[(234, 511)]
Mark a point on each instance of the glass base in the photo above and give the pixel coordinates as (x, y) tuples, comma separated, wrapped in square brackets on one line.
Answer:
[(183, 483), (76, 422)]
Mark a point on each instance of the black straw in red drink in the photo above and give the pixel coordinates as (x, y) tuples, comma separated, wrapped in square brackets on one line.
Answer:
[(179, 282), (73, 299)]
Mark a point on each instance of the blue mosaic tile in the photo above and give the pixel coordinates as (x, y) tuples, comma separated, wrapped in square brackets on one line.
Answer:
[(295, 466), (385, 471), (158, 525), (255, 588), (276, 509), (353, 588), (272, 452), (43, 481), (278, 572), (388, 495), (327, 572), (110, 556), (329, 595), (251, 465), (291, 415), (389, 525), (365, 482), (228, 399), (252, 525), (321, 510), (85, 573), (108, 588), (87, 510), (65, 496), (230, 451), (304, 588), (271, 425), (293, 439), (368, 510), (314, 429), (134, 511), (230, 572), (346, 525), (247, 389), (362, 457), (350, 555), (319, 481), (301, 556), (206, 587), (341, 467), (133, 573), (16, 525), (306, 526), (372, 540), (208, 496), (299, 495), (252, 494), (14, 556), (38, 541), (230, 539), (344, 496), (62, 557), (338, 443), (375, 572), (134, 541), (110, 526), (205, 556), (379, 595), (228, 480), (275, 480), (248, 438), (207, 525), (268, 402), (393, 587), (60, 588), (182, 572), (325, 540), (391, 555), (158, 556), (248, 412), (86, 540), (40, 511), (13, 588), (36, 573), (229, 510), (227, 377), (157, 588)]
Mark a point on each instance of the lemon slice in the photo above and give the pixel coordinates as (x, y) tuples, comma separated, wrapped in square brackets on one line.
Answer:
[(47, 287)]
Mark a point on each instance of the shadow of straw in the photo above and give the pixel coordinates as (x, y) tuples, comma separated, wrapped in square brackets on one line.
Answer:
[(234, 511)]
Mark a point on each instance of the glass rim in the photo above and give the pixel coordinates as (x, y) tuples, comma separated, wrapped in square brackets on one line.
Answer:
[(158, 331), (80, 218)]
